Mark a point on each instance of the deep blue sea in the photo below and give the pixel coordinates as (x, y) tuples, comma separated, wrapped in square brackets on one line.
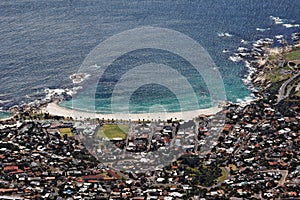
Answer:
[(43, 42)]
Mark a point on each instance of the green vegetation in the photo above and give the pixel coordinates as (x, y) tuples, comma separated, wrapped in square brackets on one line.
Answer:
[(51, 169), (37, 115), (65, 131), (278, 74), (272, 57), (293, 55), (275, 75), (104, 175), (113, 131), (273, 89), (294, 85), (274, 78), (286, 67), (222, 177), (200, 174)]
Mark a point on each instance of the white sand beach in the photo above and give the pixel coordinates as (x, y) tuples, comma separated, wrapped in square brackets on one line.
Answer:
[(55, 109)]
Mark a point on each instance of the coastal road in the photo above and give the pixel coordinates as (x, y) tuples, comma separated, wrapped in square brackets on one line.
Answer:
[(281, 95)]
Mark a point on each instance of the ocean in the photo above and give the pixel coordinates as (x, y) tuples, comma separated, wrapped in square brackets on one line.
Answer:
[(44, 42)]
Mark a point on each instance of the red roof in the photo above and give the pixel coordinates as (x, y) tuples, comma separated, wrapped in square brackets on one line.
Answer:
[(254, 121), (4, 190), (227, 127), (273, 163), (10, 168), (138, 198), (92, 181), (16, 172), (92, 177)]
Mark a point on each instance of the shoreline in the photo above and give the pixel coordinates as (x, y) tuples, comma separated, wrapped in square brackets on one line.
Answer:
[(4, 115), (254, 81), (55, 109), (254, 60)]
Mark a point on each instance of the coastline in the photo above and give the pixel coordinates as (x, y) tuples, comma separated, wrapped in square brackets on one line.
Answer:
[(55, 109), (4, 115), (256, 60), (256, 81)]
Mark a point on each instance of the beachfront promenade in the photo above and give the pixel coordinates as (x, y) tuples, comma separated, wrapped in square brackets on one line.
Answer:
[(55, 109)]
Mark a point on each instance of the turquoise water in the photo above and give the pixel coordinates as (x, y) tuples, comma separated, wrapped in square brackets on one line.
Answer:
[(4, 115)]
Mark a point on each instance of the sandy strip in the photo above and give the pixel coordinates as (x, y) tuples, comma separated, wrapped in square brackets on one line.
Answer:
[(55, 109)]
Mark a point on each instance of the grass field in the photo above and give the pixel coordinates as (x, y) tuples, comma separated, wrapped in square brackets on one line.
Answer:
[(294, 55), (64, 131), (113, 131)]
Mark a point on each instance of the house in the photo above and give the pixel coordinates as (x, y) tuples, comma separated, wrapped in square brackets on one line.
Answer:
[(227, 128), (10, 168)]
